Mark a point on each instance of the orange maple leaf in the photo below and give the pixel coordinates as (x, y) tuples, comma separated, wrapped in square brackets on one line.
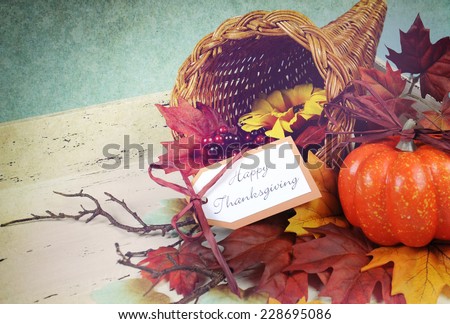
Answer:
[(438, 119), (420, 274), (337, 257), (321, 211)]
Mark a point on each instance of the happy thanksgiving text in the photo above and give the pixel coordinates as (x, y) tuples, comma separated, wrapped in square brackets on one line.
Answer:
[(249, 178)]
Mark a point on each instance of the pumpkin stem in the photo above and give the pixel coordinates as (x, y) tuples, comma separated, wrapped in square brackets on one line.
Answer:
[(406, 143)]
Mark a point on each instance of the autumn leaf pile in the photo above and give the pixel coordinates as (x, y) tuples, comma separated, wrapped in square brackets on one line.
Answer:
[(313, 245), (278, 259)]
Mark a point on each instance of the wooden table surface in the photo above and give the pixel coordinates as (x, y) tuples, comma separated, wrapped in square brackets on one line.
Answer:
[(65, 261)]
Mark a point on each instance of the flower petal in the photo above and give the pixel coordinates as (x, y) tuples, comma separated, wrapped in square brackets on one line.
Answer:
[(303, 93), (276, 131), (277, 101), (311, 109), (262, 106), (319, 95), (289, 97), (258, 121), (286, 120)]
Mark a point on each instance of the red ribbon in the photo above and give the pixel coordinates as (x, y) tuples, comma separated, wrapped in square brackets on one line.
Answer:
[(196, 201)]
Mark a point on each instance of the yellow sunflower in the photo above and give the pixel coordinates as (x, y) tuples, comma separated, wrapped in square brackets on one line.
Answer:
[(282, 110)]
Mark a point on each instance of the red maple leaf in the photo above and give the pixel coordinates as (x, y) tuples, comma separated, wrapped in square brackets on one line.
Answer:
[(263, 243), (313, 133), (264, 249), (287, 287), (387, 85), (190, 121), (344, 251), (418, 55), (167, 264), (194, 124), (159, 260), (183, 154), (383, 107)]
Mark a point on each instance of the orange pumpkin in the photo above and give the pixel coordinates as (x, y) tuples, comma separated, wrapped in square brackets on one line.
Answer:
[(397, 197)]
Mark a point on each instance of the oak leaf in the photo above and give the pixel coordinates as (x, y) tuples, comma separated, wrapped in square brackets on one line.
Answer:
[(321, 211), (419, 55), (420, 274), (342, 252)]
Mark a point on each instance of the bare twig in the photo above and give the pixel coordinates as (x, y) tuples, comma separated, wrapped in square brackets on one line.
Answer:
[(99, 211), (125, 206), (51, 216), (215, 277), (214, 282)]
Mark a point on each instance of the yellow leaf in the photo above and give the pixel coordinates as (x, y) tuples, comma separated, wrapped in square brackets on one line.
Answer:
[(273, 301), (301, 301), (304, 301), (420, 274), (321, 211)]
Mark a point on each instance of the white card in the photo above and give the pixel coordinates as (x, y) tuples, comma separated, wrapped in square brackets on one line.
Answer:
[(265, 181)]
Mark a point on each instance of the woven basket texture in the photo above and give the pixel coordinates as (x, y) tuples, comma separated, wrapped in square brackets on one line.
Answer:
[(264, 51)]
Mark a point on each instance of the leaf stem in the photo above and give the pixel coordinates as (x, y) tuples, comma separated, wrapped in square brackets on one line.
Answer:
[(414, 80)]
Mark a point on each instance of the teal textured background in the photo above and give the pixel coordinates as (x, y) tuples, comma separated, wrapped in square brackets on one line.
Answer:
[(57, 55)]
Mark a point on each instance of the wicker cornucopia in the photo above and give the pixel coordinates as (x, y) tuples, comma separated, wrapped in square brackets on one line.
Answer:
[(265, 51)]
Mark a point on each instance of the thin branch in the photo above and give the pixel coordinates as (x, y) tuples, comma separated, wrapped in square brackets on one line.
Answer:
[(99, 211), (156, 274), (125, 206), (214, 282), (216, 277), (51, 216)]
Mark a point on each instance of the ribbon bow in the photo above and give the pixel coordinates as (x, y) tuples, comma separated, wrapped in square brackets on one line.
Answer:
[(196, 201)]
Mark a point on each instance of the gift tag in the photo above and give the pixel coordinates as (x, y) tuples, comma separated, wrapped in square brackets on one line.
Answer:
[(265, 181)]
